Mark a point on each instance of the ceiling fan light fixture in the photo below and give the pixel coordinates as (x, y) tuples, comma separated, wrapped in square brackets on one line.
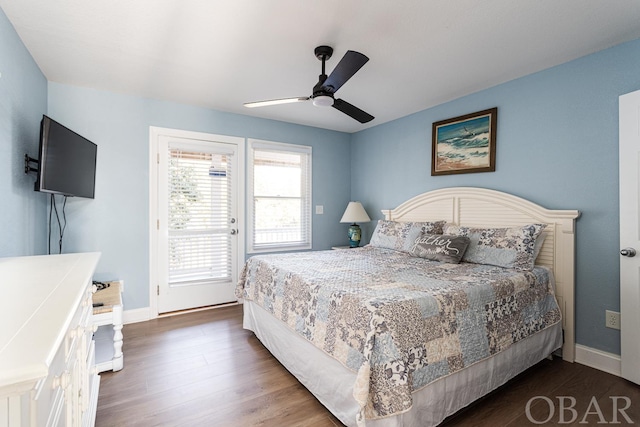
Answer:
[(322, 101)]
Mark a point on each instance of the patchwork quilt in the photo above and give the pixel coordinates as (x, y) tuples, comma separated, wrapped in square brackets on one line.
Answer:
[(400, 322)]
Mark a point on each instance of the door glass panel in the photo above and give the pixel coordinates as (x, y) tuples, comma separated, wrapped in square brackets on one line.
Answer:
[(199, 217)]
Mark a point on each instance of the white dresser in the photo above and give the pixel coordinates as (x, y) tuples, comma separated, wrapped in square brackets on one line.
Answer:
[(47, 355)]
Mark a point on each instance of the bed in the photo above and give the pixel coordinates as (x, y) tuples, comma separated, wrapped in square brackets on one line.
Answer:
[(385, 336)]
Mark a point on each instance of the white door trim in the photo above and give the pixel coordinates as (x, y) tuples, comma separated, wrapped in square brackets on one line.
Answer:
[(154, 136)]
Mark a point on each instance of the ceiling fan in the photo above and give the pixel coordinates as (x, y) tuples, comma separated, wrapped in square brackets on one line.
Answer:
[(322, 95)]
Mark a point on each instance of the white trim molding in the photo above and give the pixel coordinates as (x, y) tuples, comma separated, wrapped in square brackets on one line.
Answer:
[(598, 359), (137, 315)]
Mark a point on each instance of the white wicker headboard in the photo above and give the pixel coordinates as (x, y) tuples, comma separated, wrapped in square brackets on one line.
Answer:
[(480, 207)]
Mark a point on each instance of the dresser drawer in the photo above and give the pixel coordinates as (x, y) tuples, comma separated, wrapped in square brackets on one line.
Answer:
[(63, 397), (81, 323), (50, 392), (57, 414)]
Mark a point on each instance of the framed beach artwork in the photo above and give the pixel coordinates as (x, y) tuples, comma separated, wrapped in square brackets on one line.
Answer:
[(465, 144)]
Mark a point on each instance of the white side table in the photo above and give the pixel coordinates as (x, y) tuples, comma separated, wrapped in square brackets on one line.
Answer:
[(338, 248), (108, 321)]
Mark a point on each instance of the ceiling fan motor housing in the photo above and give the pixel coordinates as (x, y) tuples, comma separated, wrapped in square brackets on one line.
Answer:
[(321, 96)]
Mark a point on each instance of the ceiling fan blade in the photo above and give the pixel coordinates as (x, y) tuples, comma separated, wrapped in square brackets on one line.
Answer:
[(352, 111), (275, 102), (350, 63)]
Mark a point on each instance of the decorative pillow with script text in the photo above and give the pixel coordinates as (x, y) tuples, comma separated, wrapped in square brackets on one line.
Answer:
[(440, 247)]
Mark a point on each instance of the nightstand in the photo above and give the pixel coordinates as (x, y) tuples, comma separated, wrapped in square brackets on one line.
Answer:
[(337, 248), (108, 321)]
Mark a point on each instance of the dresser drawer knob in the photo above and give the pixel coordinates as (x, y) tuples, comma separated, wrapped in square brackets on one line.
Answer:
[(62, 381)]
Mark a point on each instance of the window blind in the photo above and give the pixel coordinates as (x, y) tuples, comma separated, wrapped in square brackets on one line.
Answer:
[(280, 196), (199, 217)]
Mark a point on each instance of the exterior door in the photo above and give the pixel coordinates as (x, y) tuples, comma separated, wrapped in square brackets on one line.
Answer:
[(630, 235), (198, 222)]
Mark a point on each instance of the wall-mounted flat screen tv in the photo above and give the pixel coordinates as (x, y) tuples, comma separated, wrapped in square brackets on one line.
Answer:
[(67, 163)]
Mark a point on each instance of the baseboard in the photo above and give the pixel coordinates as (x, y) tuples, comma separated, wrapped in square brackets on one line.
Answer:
[(137, 315), (598, 359), (144, 314)]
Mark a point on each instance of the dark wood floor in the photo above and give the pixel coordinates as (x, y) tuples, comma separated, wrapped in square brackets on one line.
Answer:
[(203, 369)]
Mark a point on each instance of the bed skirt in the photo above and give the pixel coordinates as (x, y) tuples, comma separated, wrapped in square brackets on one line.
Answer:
[(332, 383)]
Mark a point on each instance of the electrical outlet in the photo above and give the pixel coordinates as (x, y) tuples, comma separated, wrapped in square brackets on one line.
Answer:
[(612, 319)]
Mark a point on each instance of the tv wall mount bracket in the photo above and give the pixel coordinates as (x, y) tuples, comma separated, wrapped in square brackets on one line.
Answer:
[(29, 163)]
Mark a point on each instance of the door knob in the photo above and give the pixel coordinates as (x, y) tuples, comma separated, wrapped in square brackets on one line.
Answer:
[(629, 252)]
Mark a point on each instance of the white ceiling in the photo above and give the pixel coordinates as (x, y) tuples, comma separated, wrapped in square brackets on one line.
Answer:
[(221, 53)]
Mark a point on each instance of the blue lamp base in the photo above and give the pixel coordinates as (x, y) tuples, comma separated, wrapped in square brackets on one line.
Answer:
[(354, 234)]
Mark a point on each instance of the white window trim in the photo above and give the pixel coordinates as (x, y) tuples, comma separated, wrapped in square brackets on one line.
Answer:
[(285, 147)]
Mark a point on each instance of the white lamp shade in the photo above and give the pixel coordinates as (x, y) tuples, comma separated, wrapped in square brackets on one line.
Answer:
[(355, 213)]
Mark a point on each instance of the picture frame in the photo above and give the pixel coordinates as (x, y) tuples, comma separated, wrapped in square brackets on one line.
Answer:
[(465, 144)]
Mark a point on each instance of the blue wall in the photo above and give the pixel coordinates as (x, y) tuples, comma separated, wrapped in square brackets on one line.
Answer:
[(557, 145), (116, 222), (23, 101)]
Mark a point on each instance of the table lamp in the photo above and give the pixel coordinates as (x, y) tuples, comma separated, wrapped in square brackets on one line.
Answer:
[(355, 213)]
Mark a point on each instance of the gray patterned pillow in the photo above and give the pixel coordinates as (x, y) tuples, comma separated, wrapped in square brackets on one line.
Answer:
[(400, 236), (513, 247), (440, 247)]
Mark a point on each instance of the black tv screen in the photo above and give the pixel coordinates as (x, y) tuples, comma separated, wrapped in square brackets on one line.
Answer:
[(67, 162)]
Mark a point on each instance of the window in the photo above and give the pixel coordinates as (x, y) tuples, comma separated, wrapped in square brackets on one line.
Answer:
[(199, 211), (279, 191)]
